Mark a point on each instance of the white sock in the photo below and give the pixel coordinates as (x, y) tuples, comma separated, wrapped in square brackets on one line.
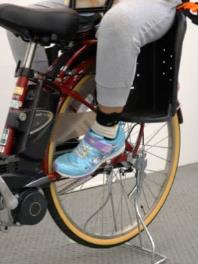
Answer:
[(105, 131)]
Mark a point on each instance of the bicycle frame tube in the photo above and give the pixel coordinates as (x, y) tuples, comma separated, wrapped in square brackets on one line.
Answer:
[(16, 103), (66, 87), (18, 99), (21, 89), (86, 45)]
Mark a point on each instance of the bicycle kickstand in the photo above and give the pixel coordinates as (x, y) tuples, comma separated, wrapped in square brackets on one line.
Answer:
[(156, 258)]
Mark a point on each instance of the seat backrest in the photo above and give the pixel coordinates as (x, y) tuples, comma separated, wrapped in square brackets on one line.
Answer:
[(154, 97)]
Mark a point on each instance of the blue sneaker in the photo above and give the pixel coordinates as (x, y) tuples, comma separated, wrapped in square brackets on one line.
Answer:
[(91, 152)]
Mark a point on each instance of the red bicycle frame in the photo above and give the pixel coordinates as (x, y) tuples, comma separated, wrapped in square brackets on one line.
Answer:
[(65, 84)]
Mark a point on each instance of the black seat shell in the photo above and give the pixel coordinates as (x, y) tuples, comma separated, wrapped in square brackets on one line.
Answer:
[(154, 97)]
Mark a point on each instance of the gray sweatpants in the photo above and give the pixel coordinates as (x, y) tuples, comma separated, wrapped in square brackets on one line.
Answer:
[(124, 29)]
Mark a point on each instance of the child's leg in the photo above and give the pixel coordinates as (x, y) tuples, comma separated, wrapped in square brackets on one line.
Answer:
[(127, 27)]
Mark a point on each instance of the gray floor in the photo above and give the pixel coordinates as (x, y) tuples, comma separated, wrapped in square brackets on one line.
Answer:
[(175, 232)]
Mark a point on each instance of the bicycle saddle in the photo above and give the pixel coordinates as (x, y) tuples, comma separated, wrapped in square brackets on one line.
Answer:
[(40, 24)]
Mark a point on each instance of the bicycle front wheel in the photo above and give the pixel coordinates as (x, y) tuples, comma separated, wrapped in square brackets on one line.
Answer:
[(99, 211)]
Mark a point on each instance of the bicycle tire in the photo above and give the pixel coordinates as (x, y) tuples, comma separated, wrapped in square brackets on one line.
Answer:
[(68, 225)]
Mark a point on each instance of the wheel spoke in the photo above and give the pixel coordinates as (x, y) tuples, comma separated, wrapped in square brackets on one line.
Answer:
[(156, 183), (145, 197), (150, 190), (113, 213), (126, 200), (156, 144), (156, 171), (157, 156), (155, 134), (102, 207)]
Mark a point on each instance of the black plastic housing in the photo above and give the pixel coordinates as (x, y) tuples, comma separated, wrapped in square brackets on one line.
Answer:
[(154, 94), (32, 135)]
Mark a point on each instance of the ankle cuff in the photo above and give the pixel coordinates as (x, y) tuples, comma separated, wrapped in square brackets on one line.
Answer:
[(107, 119)]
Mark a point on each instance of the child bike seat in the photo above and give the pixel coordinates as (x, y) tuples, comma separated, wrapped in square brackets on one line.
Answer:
[(153, 97)]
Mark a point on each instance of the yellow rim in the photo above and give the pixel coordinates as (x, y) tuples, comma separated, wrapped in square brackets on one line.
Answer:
[(125, 237)]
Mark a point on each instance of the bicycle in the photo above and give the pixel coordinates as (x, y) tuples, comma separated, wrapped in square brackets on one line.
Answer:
[(65, 94)]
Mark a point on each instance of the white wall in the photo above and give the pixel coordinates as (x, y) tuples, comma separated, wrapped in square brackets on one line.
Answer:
[(188, 91), (189, 96)]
